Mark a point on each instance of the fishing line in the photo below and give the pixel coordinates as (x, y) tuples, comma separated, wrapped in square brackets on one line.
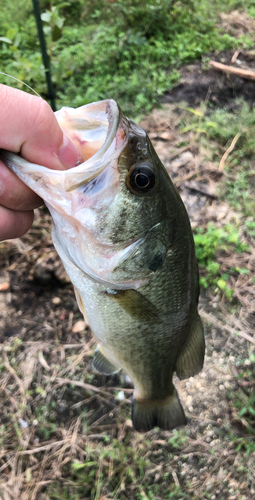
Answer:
[(17, 80)]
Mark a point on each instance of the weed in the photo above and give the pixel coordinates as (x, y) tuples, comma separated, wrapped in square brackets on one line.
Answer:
[(120, 466), (242, 403), (178, 439), (250, 228), (223, 126), (208, 243)]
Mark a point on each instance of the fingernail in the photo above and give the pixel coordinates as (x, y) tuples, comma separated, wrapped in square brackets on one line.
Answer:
[(68, 154)]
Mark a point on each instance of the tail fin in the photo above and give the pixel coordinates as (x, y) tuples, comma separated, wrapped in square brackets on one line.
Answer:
[(166, 414)]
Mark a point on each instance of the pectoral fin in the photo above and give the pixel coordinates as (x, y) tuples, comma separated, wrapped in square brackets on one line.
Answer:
[(135, 304), (102, 365), (191, 359), (80, 304)]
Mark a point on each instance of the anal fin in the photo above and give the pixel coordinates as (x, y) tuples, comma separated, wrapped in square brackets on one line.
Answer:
[(166, 414), (102, 364), (191, 358)]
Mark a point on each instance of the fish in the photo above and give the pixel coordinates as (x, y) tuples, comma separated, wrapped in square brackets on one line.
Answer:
[(124, 237)]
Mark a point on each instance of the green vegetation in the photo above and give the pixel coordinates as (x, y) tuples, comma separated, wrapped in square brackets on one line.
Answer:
[(117, 468), (225, 127), (129, 51), (243, 406), (215, 240), (228, 129), (71, 458)]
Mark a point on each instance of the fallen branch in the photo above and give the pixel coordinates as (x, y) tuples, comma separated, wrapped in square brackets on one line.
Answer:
[(242, 73)]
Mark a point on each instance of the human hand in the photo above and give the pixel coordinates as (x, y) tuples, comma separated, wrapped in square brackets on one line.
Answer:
[(29, 127)]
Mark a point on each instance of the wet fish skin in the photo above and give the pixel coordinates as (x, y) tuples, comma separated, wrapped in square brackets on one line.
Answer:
[(129, 252)]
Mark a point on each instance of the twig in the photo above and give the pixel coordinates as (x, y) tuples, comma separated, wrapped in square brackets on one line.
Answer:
[(120, 389), (243, 73), (98, 436), (178, 181), (201, 188), (235, 56), (72, 346), (109, 413), (229, 150), (78, 383), (102, 427), (227, 328), (12, 400), (43, 361), (15, 376), (42, 448), (175, 478), (101, 399)]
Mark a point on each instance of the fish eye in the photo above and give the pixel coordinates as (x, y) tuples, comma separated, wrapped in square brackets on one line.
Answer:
[(141, 179)]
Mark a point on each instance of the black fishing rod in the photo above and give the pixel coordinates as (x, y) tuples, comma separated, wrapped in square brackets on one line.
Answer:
[(45, 57)]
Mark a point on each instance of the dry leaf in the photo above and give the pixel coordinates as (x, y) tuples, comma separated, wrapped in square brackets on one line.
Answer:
[(4, 286), (28, 371), (43, 361)]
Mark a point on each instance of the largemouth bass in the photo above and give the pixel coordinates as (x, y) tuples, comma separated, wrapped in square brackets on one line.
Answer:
[(124, 237)]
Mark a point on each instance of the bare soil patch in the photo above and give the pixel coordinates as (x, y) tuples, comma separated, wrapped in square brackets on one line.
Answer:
[(199, 82)]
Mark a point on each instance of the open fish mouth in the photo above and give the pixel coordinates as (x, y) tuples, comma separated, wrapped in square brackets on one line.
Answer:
[(91, 127), (79, 197), (94, 130), (98, 131)]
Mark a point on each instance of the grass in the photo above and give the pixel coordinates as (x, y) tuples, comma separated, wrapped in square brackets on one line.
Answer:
[(103, 460), (208, 242), (243, 406), (116, 468), (91, 464), (216, 129)]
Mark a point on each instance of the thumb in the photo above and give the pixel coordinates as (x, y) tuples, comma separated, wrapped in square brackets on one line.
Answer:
[(28, 126)]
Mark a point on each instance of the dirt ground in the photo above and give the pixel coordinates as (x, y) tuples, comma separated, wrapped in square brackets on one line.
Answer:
[(45, 344)]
